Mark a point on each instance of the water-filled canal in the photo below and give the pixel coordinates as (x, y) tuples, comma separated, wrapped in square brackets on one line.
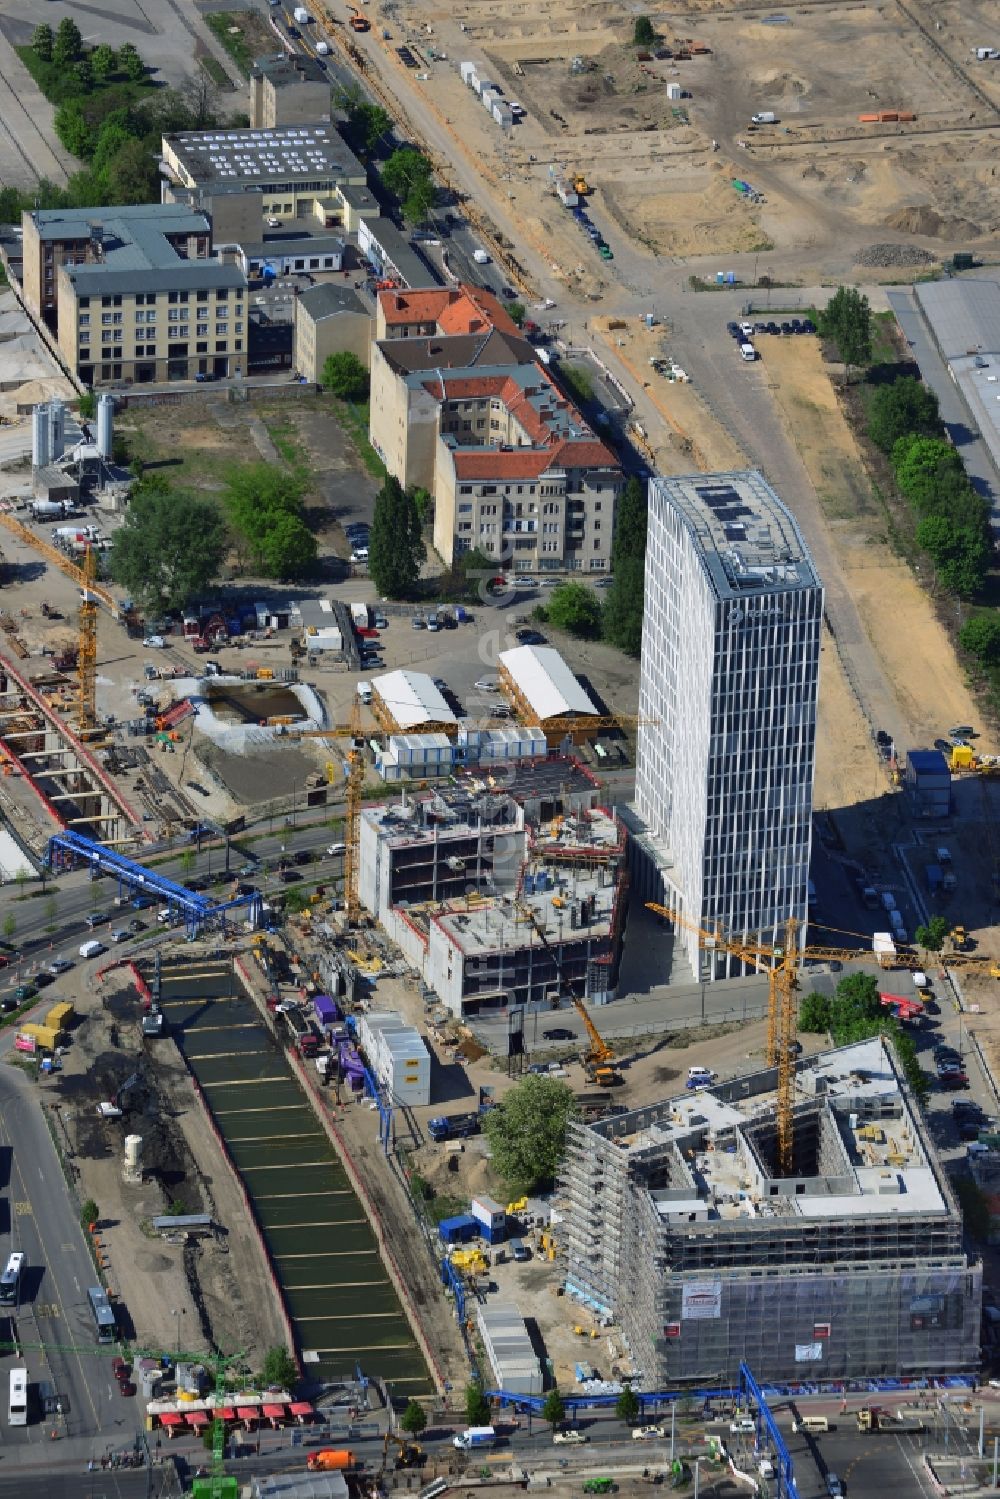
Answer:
[(343, 1307)]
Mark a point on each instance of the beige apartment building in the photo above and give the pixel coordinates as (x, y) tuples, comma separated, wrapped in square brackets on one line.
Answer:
[(460, 407), (288, 91), (132, 294), (329, 319)]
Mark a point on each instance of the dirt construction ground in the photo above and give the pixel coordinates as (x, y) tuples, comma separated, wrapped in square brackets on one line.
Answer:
[(664, 168), (172, 1291)]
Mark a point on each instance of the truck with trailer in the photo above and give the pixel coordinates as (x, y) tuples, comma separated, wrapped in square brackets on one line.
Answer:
[(453, 1126), (871, 1418)]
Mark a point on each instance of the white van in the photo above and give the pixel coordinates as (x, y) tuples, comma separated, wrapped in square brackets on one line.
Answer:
[(748, 352), (91, 949), (365, 691), (811, 1423)]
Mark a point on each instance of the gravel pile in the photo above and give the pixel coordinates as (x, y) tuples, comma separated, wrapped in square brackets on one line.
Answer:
[(892, 255)]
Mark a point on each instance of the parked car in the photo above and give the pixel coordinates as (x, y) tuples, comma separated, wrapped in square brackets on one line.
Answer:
[(60, 965), (559, 1033), (155, 643), (24, 992), (561, 1438), (488, 684), (97, 918), (646, 1433)]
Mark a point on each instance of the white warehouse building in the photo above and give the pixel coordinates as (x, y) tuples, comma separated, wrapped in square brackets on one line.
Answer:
[(729, 678)]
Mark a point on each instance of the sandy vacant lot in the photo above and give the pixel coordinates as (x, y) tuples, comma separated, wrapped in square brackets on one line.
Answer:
[(898, 615)]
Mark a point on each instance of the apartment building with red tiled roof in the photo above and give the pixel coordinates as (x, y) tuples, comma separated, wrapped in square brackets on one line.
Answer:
[(472, 417)]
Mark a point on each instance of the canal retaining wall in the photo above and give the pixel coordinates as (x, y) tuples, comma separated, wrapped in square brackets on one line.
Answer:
[(354, 1177)]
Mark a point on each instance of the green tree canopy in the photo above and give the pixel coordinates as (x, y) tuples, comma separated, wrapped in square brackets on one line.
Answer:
[(130, 63), (410, 176), (170, 547), (554, 1408), (980, 636), (926, 468), (414, 1418), (345, 376), (631, 519), (527, 1131), (477, 1407), (623, 605), (644, 32), (264, 505), (288, 549), (42, 41), (961, 556), (627, 1406), (933, 934), (103, 60), (395, 547), (279, 1369), (847, 321), (576, 608), (814, 1013), (903, 408), (68, 44)]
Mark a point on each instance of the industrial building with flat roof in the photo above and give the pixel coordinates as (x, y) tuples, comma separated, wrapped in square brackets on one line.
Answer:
[(249, 180), (727, 697), (679, 1226), (493, 908), (963, 315)]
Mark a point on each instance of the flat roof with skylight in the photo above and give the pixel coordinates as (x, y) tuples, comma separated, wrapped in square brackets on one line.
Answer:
[(296, 154)]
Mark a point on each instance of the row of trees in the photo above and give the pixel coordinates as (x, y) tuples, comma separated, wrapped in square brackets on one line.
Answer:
[(108, 119), (952, 519), (172, 544), (478, 1413), (405, 172)]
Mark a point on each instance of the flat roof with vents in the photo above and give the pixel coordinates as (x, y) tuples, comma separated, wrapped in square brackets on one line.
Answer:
[(749, 540), (286, 154)]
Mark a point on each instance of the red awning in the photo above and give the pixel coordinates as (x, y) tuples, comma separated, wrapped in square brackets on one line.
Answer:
[(171, 1418), (197, 1419), (301, 1408), (226, 1413), (248, 1412), (274, 1412)]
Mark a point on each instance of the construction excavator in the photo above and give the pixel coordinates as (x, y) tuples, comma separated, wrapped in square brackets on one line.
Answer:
[(408, 1454), (599, 1060)]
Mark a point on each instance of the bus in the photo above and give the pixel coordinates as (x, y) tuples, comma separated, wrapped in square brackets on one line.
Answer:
[(10, 1281), (103, 1314), (17, 1405)]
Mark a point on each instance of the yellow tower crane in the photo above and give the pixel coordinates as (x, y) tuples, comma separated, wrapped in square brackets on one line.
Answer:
[(86, 650), (781, 963), (600, 1060), (52, 554)]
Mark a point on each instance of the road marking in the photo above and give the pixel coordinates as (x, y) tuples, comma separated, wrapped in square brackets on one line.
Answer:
[(22, 1209), (8, 1139)]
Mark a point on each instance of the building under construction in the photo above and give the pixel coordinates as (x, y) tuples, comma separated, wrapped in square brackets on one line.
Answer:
[(501, 897), (680, 1228)]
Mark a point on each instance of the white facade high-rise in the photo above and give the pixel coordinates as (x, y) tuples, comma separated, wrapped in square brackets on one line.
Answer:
[(730, 669)]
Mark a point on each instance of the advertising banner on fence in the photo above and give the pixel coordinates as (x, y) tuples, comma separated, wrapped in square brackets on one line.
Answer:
[(701, 1299), (808, 1353)]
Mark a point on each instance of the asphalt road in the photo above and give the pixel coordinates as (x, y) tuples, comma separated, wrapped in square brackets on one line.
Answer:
[(39, 1219), (110, 1484)]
